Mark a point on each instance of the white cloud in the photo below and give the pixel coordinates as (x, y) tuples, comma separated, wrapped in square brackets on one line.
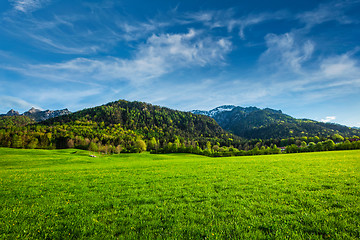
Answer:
[(71, 34), (255, 19), (156, 54), (68, 34), (333, 11), (340, 66), (328, 119), (134, 30), (64, 34), (210, 18), (227, 19), (185, 49), (285, 53), (161, 54), (333, 76), (26, 6), (64, 47)]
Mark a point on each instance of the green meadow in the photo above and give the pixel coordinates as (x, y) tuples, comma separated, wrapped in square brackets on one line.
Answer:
[(65, 194)]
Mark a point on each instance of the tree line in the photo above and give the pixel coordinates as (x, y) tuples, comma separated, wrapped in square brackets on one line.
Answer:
[(262, 149), (132, 127)]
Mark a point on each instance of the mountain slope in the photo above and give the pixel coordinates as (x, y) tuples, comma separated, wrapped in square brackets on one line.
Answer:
[(11, 113), (15, 121), (119, 126), (147, 119), (252, 122)]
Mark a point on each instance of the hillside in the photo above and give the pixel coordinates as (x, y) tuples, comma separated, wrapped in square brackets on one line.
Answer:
[(124, 126), (252, 122), (146, 119), (15, 121), (121, 124)]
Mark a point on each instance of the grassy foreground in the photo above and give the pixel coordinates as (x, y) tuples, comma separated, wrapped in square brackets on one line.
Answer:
[(65, 194)]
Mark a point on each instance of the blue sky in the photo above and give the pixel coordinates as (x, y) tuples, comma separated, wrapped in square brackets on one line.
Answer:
[(298, 56)]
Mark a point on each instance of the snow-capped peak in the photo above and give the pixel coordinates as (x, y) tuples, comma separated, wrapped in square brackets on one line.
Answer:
[(215, 111), (224, 108)]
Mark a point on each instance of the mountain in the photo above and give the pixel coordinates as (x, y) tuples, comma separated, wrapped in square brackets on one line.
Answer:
[(214, 111), (146, 119), (38, 115), (119, 126), (253, 122), (124, 126), (12, 112)]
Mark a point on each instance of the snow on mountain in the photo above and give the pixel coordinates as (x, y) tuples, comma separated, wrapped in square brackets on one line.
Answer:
[(37, 114), (215, 111)]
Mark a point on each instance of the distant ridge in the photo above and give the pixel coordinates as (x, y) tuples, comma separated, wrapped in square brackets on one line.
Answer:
[(38, 115), (214, 111), (12, 112), (146, 119), (253, 122)]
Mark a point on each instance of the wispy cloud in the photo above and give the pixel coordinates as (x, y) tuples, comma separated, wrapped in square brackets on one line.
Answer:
[(326, 80), (254, 19), (135, 30), (340, 66), (112, 55), (74, 32), (294, 67), (333, 76), (59, 34), (319, 80), (285, 53), (228, 19), (27, 6), (69, 34), (333, 11), (325, 12), (160, 55)]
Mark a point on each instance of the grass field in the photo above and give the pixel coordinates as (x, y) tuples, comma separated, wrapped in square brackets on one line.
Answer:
[(65, 194)]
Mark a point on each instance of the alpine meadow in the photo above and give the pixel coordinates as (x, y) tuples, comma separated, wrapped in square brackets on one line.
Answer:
[(64, 194), (179, 119)]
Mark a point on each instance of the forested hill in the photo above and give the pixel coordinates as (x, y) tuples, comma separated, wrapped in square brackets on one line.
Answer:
[(121, 124), (252, 122), (147, 120), (15, 121), (124, 126)]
